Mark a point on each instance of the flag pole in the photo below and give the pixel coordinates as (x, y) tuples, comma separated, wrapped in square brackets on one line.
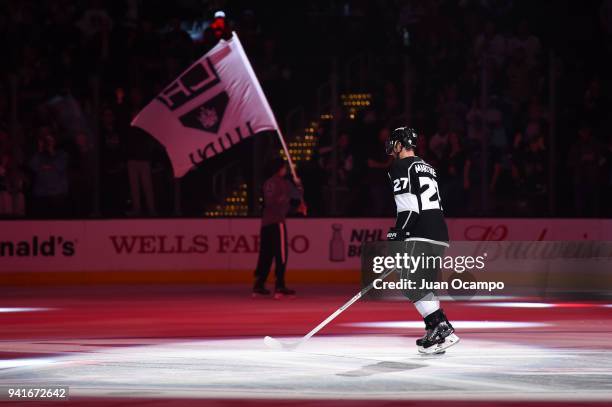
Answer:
[(298, 182), (289, 160)]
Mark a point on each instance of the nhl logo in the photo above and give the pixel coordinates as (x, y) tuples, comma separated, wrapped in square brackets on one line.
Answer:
[(208, 115)]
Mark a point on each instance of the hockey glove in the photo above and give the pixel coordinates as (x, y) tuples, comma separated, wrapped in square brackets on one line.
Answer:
[(396, 235)]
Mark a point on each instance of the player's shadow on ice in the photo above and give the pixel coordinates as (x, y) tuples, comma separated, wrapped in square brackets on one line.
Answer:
[(380, 367)]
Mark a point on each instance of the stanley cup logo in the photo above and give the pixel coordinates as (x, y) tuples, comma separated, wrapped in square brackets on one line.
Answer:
[(336, 244)]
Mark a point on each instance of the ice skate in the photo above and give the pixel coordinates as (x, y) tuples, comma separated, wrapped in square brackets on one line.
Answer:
[(283, 292), (260, 292), (440, 334)]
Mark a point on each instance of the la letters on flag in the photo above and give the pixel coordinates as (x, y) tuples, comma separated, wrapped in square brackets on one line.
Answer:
[(216, 103)]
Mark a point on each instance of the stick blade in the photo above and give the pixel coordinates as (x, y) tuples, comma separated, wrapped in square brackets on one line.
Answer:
[(273, 343)]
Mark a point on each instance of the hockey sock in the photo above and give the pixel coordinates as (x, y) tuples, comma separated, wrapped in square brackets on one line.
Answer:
[(427, 305)]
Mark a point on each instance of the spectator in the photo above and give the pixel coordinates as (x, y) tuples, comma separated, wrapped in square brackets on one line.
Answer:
[(498, 139), (453, 110), (11, 179), (411, 12), (608, 177), (176, 42), (391, 102), (312, 176), (113, 166), (594, 108), (65, 110), (520, 79), (56, 47), (531, 172), (81, 174), (249, 27), (96, 26), (145, 52), (345, 192), (473, 178), (585, 162), (344, 166), (139, 151), (177, 46), (94, 19), (6, 201), (270, 72), (49, 166), (490, 44), (501, 182), (438, 144), (475, 121), (218, 29), (345, 159), (377, 179), (536, 112), (422, 150), (529, 43), (16, 181), (453, 176)]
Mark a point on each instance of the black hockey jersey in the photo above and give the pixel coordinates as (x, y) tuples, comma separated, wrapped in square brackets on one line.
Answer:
[(417, 198)]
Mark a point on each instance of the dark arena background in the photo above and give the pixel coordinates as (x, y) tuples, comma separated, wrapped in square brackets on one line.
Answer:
[(127, 276)]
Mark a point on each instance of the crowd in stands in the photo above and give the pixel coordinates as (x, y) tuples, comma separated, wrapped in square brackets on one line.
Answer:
[(455, 47), (81, 70)]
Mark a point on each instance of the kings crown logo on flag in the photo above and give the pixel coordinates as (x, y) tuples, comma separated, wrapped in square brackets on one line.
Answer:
[(216, 103), (208, 116)]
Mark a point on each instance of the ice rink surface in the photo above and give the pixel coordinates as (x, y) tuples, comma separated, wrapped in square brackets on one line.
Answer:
[(184, 345)]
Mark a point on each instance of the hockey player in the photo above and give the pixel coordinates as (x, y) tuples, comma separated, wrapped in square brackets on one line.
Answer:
[(420, 223)]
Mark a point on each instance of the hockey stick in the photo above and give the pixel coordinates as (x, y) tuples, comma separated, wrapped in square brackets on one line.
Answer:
[(277, 345)]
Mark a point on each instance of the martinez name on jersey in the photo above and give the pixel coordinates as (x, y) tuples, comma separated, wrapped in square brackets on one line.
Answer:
[(420, 214)]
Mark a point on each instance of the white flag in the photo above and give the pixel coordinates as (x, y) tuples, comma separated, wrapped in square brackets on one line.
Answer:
[(213, 105)]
